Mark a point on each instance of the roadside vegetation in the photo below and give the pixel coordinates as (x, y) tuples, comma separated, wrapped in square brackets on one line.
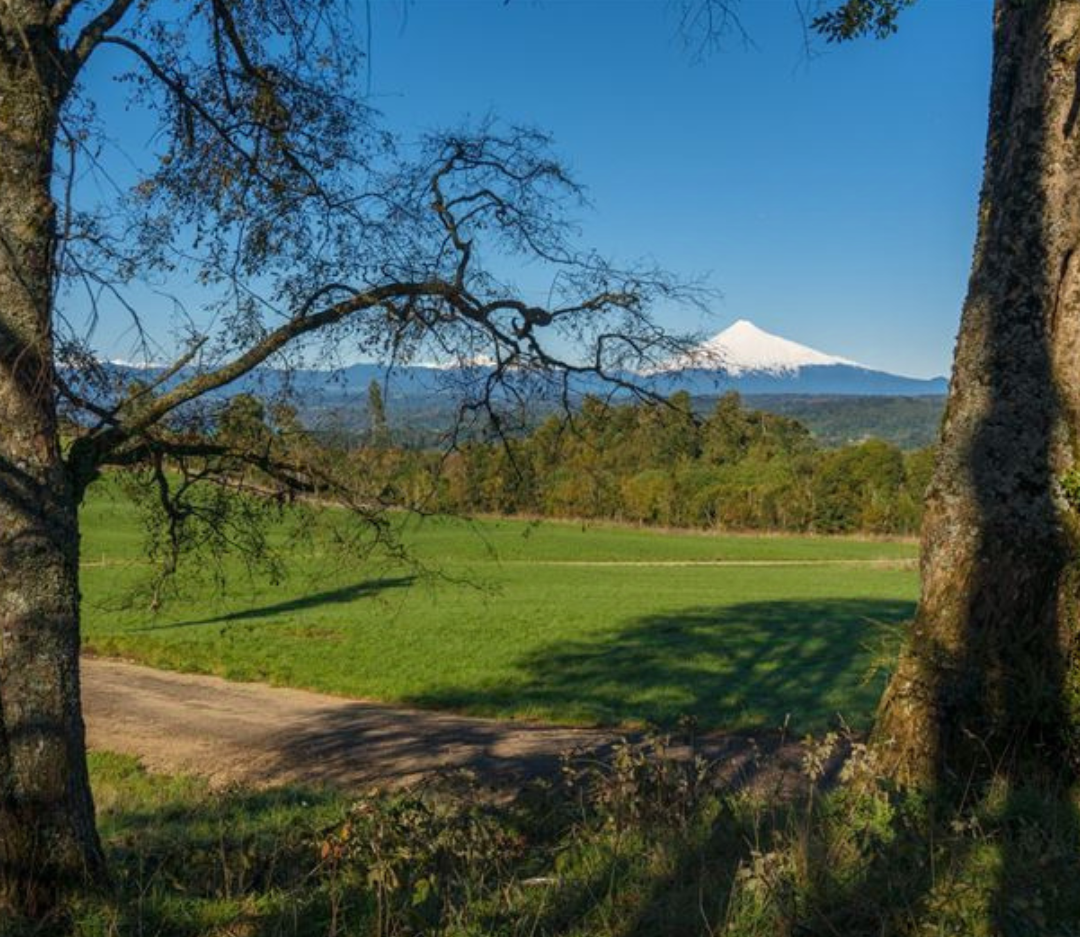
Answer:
[(647, 845)]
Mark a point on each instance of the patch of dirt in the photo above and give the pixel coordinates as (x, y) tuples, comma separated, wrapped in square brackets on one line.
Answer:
[(250, 733)]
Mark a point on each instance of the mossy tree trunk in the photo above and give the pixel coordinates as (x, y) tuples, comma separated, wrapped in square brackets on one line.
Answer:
[(986, 684), (48, 841)]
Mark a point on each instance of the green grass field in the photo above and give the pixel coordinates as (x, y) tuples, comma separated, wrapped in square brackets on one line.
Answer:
[(556, 622)]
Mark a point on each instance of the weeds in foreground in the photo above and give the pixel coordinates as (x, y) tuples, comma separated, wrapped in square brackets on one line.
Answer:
[(647, 842)]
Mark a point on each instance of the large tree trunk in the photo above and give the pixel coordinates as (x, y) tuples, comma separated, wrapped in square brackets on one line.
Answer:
[(48, 840), (987, 684)]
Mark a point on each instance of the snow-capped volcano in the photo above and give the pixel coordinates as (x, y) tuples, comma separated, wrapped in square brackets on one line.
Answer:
[(743, 348), (753, 361)]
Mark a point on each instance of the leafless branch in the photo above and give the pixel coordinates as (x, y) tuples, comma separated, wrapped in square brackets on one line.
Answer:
[(93, 33)]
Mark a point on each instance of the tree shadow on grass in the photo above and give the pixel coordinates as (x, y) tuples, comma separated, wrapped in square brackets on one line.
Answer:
[(750, 665), (340, 596)]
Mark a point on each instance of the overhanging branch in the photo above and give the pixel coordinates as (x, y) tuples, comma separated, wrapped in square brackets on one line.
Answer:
[(93, 34)]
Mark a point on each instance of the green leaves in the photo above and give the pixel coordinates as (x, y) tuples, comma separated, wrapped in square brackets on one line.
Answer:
[(854, 19)]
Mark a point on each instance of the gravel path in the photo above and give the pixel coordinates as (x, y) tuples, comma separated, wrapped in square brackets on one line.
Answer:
[(256, 734)]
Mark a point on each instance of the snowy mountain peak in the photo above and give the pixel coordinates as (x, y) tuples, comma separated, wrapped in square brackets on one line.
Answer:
[(143, 365), (743, 348)]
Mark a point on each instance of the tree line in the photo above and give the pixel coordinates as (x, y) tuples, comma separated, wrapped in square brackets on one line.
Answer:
[(658, 463)]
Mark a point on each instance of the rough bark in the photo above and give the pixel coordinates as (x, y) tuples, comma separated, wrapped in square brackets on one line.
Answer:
[(985, 685), (48, 840)]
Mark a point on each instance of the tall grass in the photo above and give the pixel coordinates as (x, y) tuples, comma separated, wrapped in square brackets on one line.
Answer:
[(643, 844)]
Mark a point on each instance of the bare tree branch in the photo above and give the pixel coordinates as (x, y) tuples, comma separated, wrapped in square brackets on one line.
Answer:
[(61, 10), (94, 33)]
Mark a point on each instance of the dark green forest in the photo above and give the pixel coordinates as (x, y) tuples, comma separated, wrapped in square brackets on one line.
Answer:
[(661, 463), (833, 419), (908, 422)]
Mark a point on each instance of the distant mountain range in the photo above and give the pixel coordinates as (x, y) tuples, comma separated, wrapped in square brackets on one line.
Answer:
[(742, 358)]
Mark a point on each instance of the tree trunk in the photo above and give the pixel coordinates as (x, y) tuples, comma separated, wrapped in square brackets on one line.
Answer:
[(48, 841), (987, 684)]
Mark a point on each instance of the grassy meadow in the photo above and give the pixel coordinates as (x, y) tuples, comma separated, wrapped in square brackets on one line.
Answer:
[(561, 622), (573, 624)]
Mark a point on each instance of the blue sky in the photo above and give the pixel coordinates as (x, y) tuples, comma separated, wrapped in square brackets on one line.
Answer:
[(829, 198)]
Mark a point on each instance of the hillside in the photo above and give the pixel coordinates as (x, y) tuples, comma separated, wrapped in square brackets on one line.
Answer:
[(907, 422)]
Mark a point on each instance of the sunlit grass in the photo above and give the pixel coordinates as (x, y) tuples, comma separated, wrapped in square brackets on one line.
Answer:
[(518, 622)]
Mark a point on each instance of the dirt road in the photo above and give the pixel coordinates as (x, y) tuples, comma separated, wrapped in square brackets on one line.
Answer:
[(257, 734)]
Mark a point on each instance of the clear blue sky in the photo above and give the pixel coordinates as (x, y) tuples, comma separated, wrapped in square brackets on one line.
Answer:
[(831, 199)]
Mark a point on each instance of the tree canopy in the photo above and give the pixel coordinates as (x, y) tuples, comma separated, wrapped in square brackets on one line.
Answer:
[(271, 186)]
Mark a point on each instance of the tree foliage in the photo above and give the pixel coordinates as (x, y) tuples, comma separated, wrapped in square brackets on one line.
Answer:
[(853, 19), (660, 463)]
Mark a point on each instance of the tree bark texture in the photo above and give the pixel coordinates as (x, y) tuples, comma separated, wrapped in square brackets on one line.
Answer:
[(987, 684), (48, 840)]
